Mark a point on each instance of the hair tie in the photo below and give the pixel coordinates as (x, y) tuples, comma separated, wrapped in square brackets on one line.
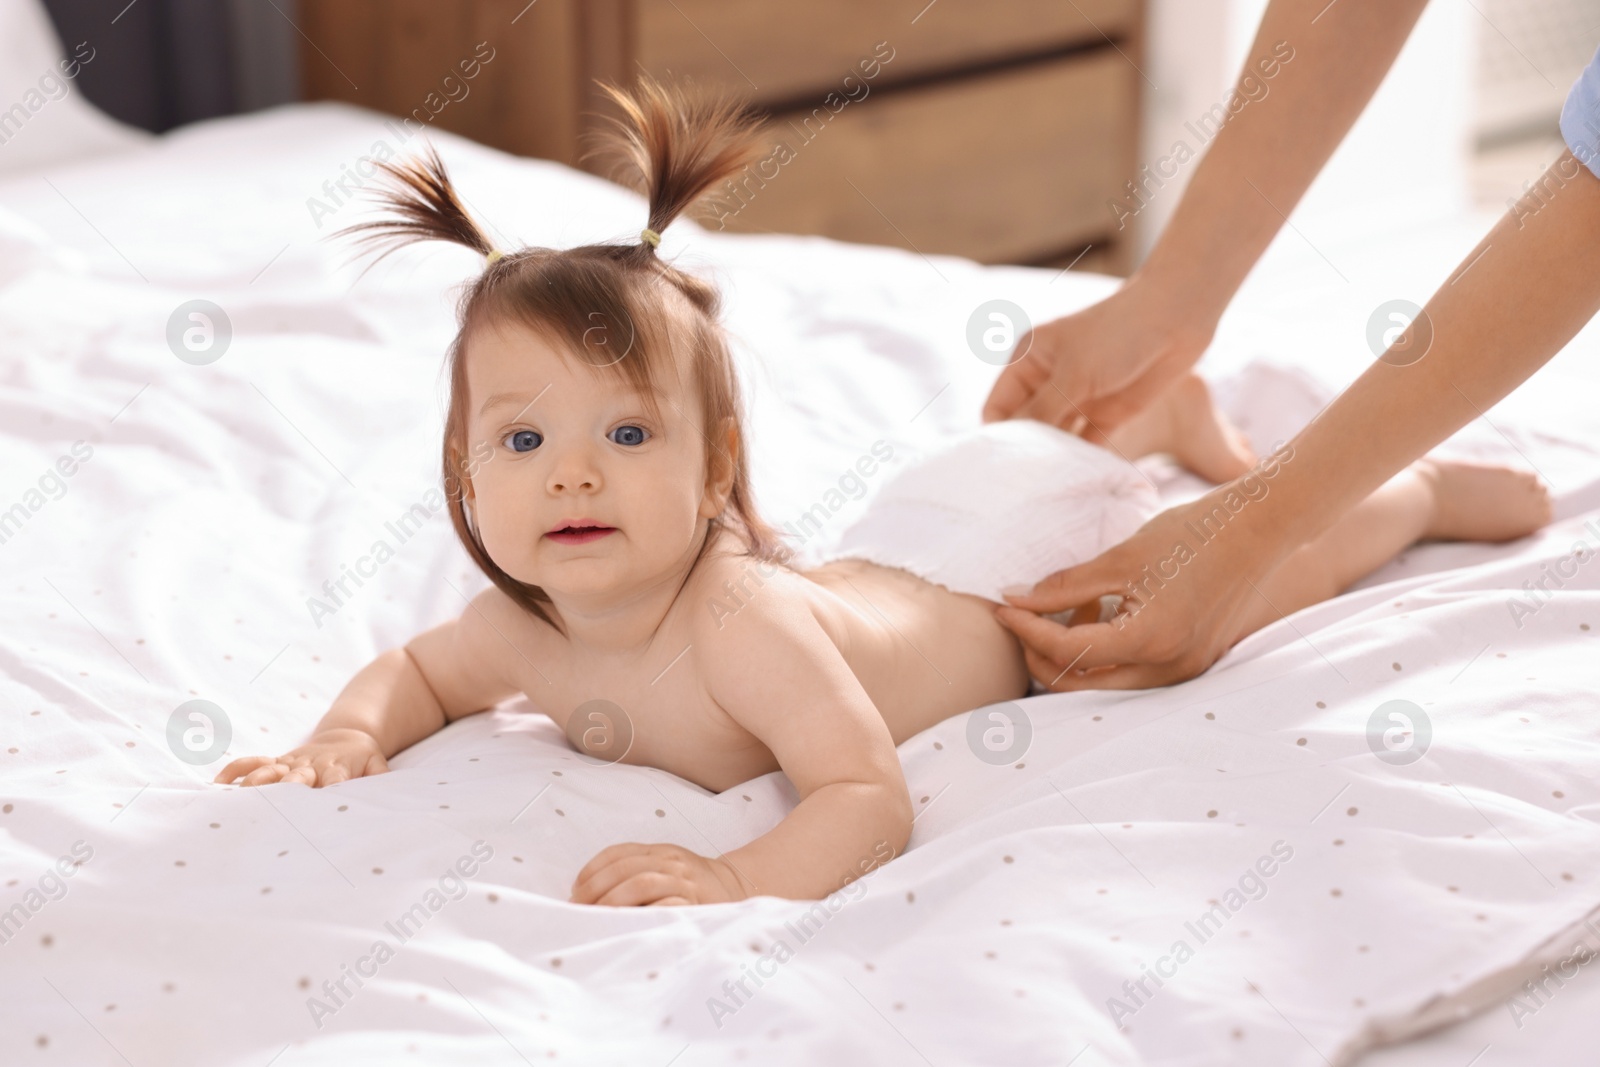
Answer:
[(494, 254), (650, 237)]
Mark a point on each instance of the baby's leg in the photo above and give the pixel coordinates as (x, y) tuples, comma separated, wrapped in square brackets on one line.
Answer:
[(1432, 499), (1184, 423)]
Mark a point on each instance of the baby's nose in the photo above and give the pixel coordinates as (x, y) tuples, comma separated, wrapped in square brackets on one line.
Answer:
[(574, 474)]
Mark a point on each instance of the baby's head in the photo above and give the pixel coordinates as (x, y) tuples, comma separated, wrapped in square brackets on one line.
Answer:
[(594, 442)]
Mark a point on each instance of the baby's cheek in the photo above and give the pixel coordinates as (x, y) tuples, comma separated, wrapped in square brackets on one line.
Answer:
[(675, 522), (507, 536)]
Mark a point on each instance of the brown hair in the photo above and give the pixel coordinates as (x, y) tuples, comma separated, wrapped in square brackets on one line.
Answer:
[(673, 148)]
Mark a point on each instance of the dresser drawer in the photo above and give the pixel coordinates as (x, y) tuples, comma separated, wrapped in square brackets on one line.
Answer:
[(1013, 166), (996, 131), (778, 52)]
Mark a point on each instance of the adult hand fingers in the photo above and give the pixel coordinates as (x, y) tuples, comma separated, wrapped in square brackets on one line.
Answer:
[(1050, 404), (1085, 613), (1017, 384), (1073, 587), (1126, 676), (1098, 644), (1104, 414), (1044, 670), (1059, 376), (1057, 679)]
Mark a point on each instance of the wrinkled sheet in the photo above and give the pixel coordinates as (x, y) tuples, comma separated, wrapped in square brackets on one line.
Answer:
[(1237, 837)]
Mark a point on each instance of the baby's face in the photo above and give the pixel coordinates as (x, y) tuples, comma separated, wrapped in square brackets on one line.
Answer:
[(587, 494)]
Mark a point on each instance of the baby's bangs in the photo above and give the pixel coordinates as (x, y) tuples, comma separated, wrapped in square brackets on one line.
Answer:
[(596, 312)]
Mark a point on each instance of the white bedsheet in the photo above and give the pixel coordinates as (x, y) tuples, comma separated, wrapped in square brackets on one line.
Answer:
[(201, 922)]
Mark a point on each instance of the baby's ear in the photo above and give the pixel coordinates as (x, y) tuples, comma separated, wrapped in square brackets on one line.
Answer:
[(721, 464)]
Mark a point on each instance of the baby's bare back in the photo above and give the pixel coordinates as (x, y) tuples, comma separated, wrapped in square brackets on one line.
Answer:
[(921, 653)]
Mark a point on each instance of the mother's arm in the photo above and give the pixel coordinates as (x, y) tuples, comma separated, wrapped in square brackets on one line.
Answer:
[(1527, 288), (1108, 361)]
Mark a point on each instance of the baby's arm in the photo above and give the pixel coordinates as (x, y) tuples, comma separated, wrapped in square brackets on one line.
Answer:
[(779, 675), (398, 699)]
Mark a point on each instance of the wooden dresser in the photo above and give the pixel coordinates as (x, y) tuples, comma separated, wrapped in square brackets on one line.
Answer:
[(998, 131)]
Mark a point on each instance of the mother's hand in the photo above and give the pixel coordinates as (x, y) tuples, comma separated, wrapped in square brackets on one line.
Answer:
[(1091, 371), (1184, 600)]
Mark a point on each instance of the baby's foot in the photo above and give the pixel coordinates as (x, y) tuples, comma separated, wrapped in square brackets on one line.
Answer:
[(1474, 502), (1203, 439)]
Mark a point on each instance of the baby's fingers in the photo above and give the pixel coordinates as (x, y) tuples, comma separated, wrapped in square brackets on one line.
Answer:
[(610, 866), (643, 889), (272, 772), (305, 774), (242, 765), (344, 768)]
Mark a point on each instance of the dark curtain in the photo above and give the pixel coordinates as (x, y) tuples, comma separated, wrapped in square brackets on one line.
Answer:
[(163, 63)]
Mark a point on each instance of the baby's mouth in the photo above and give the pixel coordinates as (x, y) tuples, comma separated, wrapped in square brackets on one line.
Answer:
[(580, 532)]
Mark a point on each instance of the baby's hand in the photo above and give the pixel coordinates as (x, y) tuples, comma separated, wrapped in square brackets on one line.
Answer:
[(632, 874), (329, 757)]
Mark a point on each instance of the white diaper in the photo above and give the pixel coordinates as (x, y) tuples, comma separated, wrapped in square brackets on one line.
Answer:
[(1003, 505)]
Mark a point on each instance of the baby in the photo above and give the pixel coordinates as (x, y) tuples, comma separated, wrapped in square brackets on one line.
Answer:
[(597, 472)]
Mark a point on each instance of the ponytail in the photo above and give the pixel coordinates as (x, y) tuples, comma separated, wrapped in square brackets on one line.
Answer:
[(424, 207), (674, 148), (668, 145)]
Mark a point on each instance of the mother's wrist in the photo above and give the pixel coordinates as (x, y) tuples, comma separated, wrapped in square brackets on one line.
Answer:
[(1180, 300), (1258, 510)]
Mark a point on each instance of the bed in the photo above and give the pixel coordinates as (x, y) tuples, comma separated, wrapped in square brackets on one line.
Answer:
[(1224, 871)]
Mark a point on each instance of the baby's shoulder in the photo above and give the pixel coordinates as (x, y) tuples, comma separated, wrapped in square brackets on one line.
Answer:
[(757, 640), (750, 607), (500, 630)]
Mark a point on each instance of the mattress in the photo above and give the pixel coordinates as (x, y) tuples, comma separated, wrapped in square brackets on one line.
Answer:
[(1230, 870)]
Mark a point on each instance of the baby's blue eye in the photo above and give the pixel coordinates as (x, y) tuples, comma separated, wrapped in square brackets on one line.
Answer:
[(629, 435), (523, 441)]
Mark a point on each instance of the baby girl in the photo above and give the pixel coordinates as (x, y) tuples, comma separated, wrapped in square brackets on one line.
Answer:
[(597, 472)]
